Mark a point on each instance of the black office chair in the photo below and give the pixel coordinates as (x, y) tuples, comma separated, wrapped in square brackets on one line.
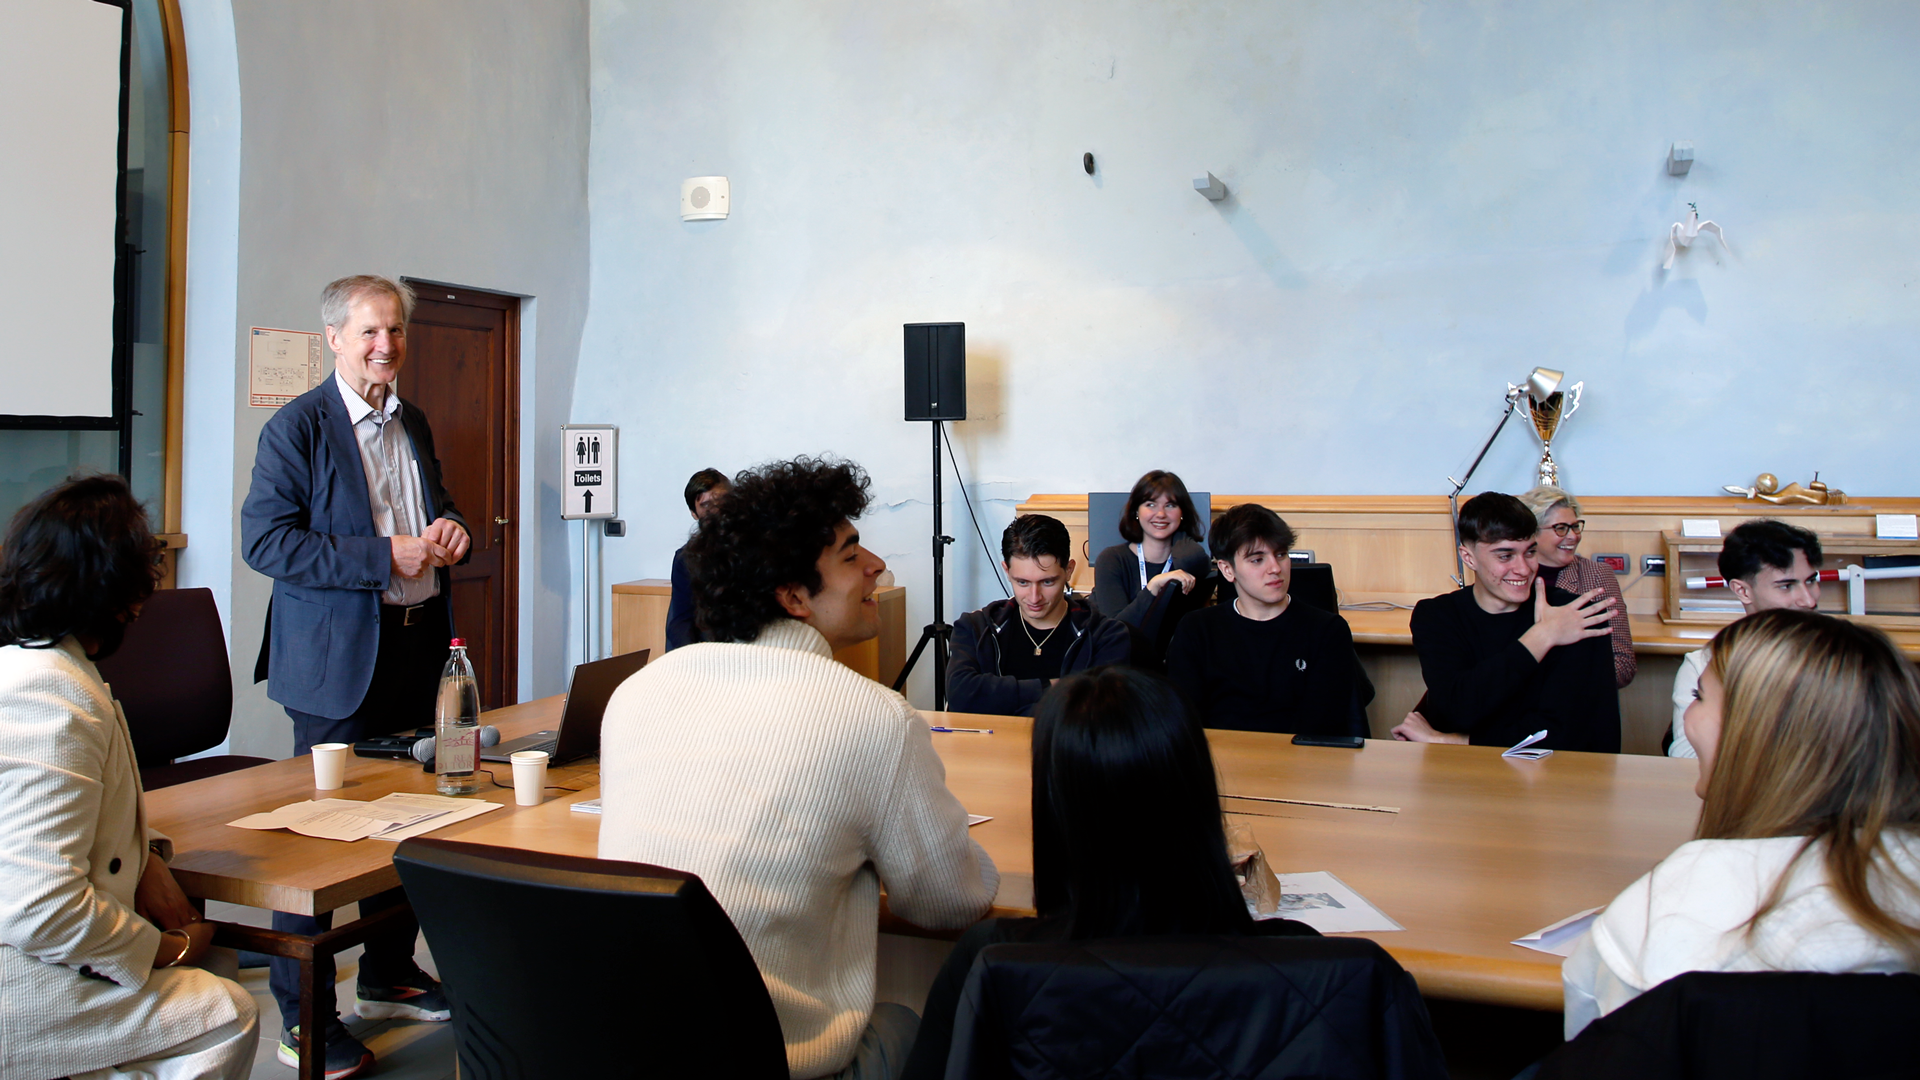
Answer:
[(1312, 583), (1708, 1025), (1193, 1007), (172, 680), (564, 966)]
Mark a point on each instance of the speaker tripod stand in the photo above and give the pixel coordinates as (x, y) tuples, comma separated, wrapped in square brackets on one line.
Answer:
[(939, 632)]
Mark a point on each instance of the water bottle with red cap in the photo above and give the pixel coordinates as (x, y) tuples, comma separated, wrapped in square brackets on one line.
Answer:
[(456, 727)]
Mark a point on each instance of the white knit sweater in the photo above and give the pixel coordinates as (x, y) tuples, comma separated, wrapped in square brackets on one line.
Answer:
[(794, 787)]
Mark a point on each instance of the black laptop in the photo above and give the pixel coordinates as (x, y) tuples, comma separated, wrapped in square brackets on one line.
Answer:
[(579, 735)]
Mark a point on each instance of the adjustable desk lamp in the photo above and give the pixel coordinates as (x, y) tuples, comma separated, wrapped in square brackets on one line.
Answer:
[(1540, 383)]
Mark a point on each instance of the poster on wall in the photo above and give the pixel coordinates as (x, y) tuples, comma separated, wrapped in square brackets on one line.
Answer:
[(282, 365)]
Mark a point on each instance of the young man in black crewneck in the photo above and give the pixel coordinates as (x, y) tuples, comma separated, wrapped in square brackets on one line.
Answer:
[(1006, 654), (1262, 662), (1508, 655)]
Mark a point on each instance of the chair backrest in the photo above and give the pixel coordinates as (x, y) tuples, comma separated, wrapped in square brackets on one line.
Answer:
[(1312, 583), (565, 966), (1103, 518), (1193, 1006), (171, 677), (1752, 1025)]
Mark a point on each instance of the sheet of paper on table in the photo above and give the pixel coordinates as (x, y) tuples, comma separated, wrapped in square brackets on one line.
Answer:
[(975, 819), (1524, 749), (1327, 904), (394, 817), (445, 812), (1560, 938)]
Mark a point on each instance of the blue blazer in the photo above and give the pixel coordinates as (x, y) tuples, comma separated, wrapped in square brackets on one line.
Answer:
[(307, 525)]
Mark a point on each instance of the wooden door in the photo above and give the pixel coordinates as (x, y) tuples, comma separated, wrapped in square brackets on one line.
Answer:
[(463, 371)]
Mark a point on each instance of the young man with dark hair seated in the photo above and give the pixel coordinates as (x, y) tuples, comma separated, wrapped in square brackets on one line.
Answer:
[(1263, 662), (1767, 564), (795, 787), (1508, 655), (704, 489), (1006, 654)]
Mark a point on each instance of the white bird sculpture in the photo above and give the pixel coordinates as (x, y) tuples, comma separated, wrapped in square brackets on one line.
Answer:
[(1683, 234)]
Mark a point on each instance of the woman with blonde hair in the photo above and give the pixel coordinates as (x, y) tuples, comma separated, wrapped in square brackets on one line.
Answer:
[(1557, 547), (1807, 855)]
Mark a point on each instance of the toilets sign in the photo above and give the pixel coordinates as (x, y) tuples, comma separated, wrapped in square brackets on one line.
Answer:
[(589, 459)]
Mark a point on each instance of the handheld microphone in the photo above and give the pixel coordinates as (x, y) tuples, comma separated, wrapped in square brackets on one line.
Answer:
[(423, 750)]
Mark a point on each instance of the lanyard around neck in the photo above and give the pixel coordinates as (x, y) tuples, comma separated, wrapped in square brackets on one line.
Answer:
[(1141, 551)]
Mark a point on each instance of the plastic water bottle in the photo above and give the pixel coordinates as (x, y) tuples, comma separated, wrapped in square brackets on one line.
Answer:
[(456, 728)]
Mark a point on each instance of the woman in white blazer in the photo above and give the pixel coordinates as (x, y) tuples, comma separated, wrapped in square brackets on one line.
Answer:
[(1808, 849), (94, 932)]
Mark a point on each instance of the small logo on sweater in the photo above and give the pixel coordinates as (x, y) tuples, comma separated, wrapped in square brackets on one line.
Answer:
[(1301, 664)]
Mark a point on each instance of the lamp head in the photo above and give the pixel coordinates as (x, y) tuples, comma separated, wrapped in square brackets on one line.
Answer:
[(1542, 382)]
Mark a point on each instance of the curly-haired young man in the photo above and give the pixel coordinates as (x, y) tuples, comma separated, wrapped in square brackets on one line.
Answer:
[(793, 786)]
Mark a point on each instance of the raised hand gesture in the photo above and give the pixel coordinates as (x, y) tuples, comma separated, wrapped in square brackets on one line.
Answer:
[(1554, 626)]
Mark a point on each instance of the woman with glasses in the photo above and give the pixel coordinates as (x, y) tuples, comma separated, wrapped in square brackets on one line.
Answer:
[(1563, 567)]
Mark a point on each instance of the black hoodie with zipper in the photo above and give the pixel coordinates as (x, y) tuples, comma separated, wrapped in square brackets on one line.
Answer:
[(974, 680)]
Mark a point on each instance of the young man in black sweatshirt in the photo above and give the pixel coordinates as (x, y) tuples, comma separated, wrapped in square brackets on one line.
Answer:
[(1262, 662), (1508, 655), (1006, 654)]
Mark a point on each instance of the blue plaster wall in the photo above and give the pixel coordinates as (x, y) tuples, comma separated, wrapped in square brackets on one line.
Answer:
[(1427, 200)]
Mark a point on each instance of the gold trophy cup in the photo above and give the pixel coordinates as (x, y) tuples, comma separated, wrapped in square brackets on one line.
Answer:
[(1548, 414)]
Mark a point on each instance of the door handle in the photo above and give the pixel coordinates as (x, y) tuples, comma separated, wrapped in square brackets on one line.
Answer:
[(502, 521)]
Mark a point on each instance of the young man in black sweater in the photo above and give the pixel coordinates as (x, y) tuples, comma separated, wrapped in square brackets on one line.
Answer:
[(1508, 655), (1006, 654), (1263, 662)]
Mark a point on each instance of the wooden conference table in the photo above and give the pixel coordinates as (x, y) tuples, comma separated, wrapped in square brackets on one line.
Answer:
[(1480, 851)]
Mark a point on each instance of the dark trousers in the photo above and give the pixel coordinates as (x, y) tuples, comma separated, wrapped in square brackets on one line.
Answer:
[(406, 677)]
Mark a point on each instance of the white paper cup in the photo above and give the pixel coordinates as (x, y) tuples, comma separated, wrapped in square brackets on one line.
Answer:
[(329, 765), (529, 776)]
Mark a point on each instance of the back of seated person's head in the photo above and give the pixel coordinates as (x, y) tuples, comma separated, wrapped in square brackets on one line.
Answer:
[(1493, 517), (702, 482), (1238, 529), (1036, 536), (767, 533), (1127, 830), (1755, 545), (1160, 484), (1820, 738), (76, 560)]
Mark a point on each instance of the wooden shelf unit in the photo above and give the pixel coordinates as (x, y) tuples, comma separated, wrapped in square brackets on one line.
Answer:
[(1892, 604)]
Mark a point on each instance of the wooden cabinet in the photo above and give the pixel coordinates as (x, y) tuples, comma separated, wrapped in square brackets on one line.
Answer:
[(640, 622)]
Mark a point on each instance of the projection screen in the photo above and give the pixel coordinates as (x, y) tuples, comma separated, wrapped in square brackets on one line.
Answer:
[(60, 78)]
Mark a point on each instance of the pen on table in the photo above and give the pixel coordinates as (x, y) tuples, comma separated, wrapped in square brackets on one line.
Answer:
[(967, 730)]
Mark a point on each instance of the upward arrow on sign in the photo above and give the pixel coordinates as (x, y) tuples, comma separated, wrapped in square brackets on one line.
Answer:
[(586, 498)]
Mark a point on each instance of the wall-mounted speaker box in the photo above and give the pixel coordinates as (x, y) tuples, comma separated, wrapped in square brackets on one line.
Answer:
[(704, 198), (936, 371)]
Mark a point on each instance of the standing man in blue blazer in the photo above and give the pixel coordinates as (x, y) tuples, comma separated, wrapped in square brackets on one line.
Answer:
[(348, 516)]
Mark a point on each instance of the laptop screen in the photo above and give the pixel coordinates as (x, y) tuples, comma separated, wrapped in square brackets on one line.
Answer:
[(587, 695)]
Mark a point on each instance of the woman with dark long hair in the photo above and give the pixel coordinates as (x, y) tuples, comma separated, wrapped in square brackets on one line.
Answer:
[(1807, 856), (1161, 571), (94, 932), (1128, 838)]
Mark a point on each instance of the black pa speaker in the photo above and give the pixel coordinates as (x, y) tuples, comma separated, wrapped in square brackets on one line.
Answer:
[(937, 371)]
